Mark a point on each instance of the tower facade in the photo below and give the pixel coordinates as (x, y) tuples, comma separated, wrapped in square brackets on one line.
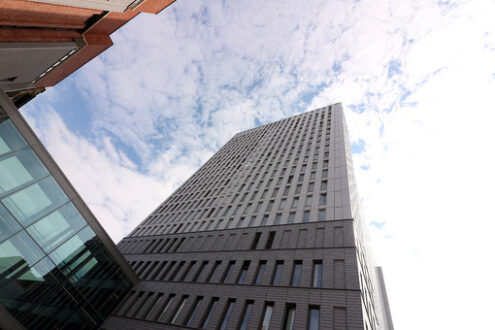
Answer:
[(265, 235)]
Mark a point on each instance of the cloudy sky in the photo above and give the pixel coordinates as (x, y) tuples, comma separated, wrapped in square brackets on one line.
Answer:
[(417, 81)]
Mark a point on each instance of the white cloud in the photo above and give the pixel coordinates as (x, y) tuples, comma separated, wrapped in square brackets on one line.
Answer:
[(101, 176), (430, 175)]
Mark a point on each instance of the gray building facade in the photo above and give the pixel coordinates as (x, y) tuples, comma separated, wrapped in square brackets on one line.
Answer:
[(265, 235)]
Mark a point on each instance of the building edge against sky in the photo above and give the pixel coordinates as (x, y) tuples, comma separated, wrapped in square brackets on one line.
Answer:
[(189, 251), (58, 266), (44, 41)]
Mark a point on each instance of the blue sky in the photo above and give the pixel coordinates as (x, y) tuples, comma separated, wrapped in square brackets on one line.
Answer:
[(416, 79)]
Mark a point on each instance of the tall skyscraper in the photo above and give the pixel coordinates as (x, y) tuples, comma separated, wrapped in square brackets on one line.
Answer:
[(266, 234)]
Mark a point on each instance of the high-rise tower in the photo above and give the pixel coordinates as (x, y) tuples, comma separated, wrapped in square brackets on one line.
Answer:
[(266, 234)]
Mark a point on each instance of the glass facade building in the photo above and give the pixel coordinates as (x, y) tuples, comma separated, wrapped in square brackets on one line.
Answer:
[(55, 272)]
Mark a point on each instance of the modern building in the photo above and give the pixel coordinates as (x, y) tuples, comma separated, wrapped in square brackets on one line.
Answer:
[(58, 267), (265, 235), (44, 41)]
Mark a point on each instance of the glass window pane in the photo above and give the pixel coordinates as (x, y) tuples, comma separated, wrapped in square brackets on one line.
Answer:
[(10, 139), (18, 169), (41, 272), (213, 304), (278, 272), (296, 275), (247, 314), (317, 268), (34, 201), (268, 316), (289, 321), (18, 252), (8, 225), (314, 318), (227, 314), (56, 227), (70, 254)]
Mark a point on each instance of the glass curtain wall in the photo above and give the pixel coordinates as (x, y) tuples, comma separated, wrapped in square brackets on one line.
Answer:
[(54, 271)]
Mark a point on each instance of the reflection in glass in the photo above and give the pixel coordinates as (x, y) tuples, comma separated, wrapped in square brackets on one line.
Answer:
[(296, 275), (18, 251), (74, 252), (314, 318), (10, 139), (228, 312), (75, 287), (8, 225), (290, 315), (34, 201), (211, 309), (267, 317), (56, 227), (317, 268), (18, 169), (247, 314), (278, 272)]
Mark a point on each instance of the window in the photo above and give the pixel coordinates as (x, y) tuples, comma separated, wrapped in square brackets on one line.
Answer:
[(317, 269), (170, 266), (269, 242), (323, 199), (228, 271), (292, 217), (295, 202), (322, 214), (244, 270), (247, 313), (306, 216), (199, 271), (227, 313), (264, 220), (277, 218), (282, 204), (298, 189), (30, 203), (323, 185), (258, 207), (194, 310), (311, 187), (179, 309), (309, 200), (259, 273), (267, 316), (296, 273), (209, 313), (213, 271), (314, 318), (255, 241), (177, 270), (290, 313), (279, 265), (167, 305), (188, 269)]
